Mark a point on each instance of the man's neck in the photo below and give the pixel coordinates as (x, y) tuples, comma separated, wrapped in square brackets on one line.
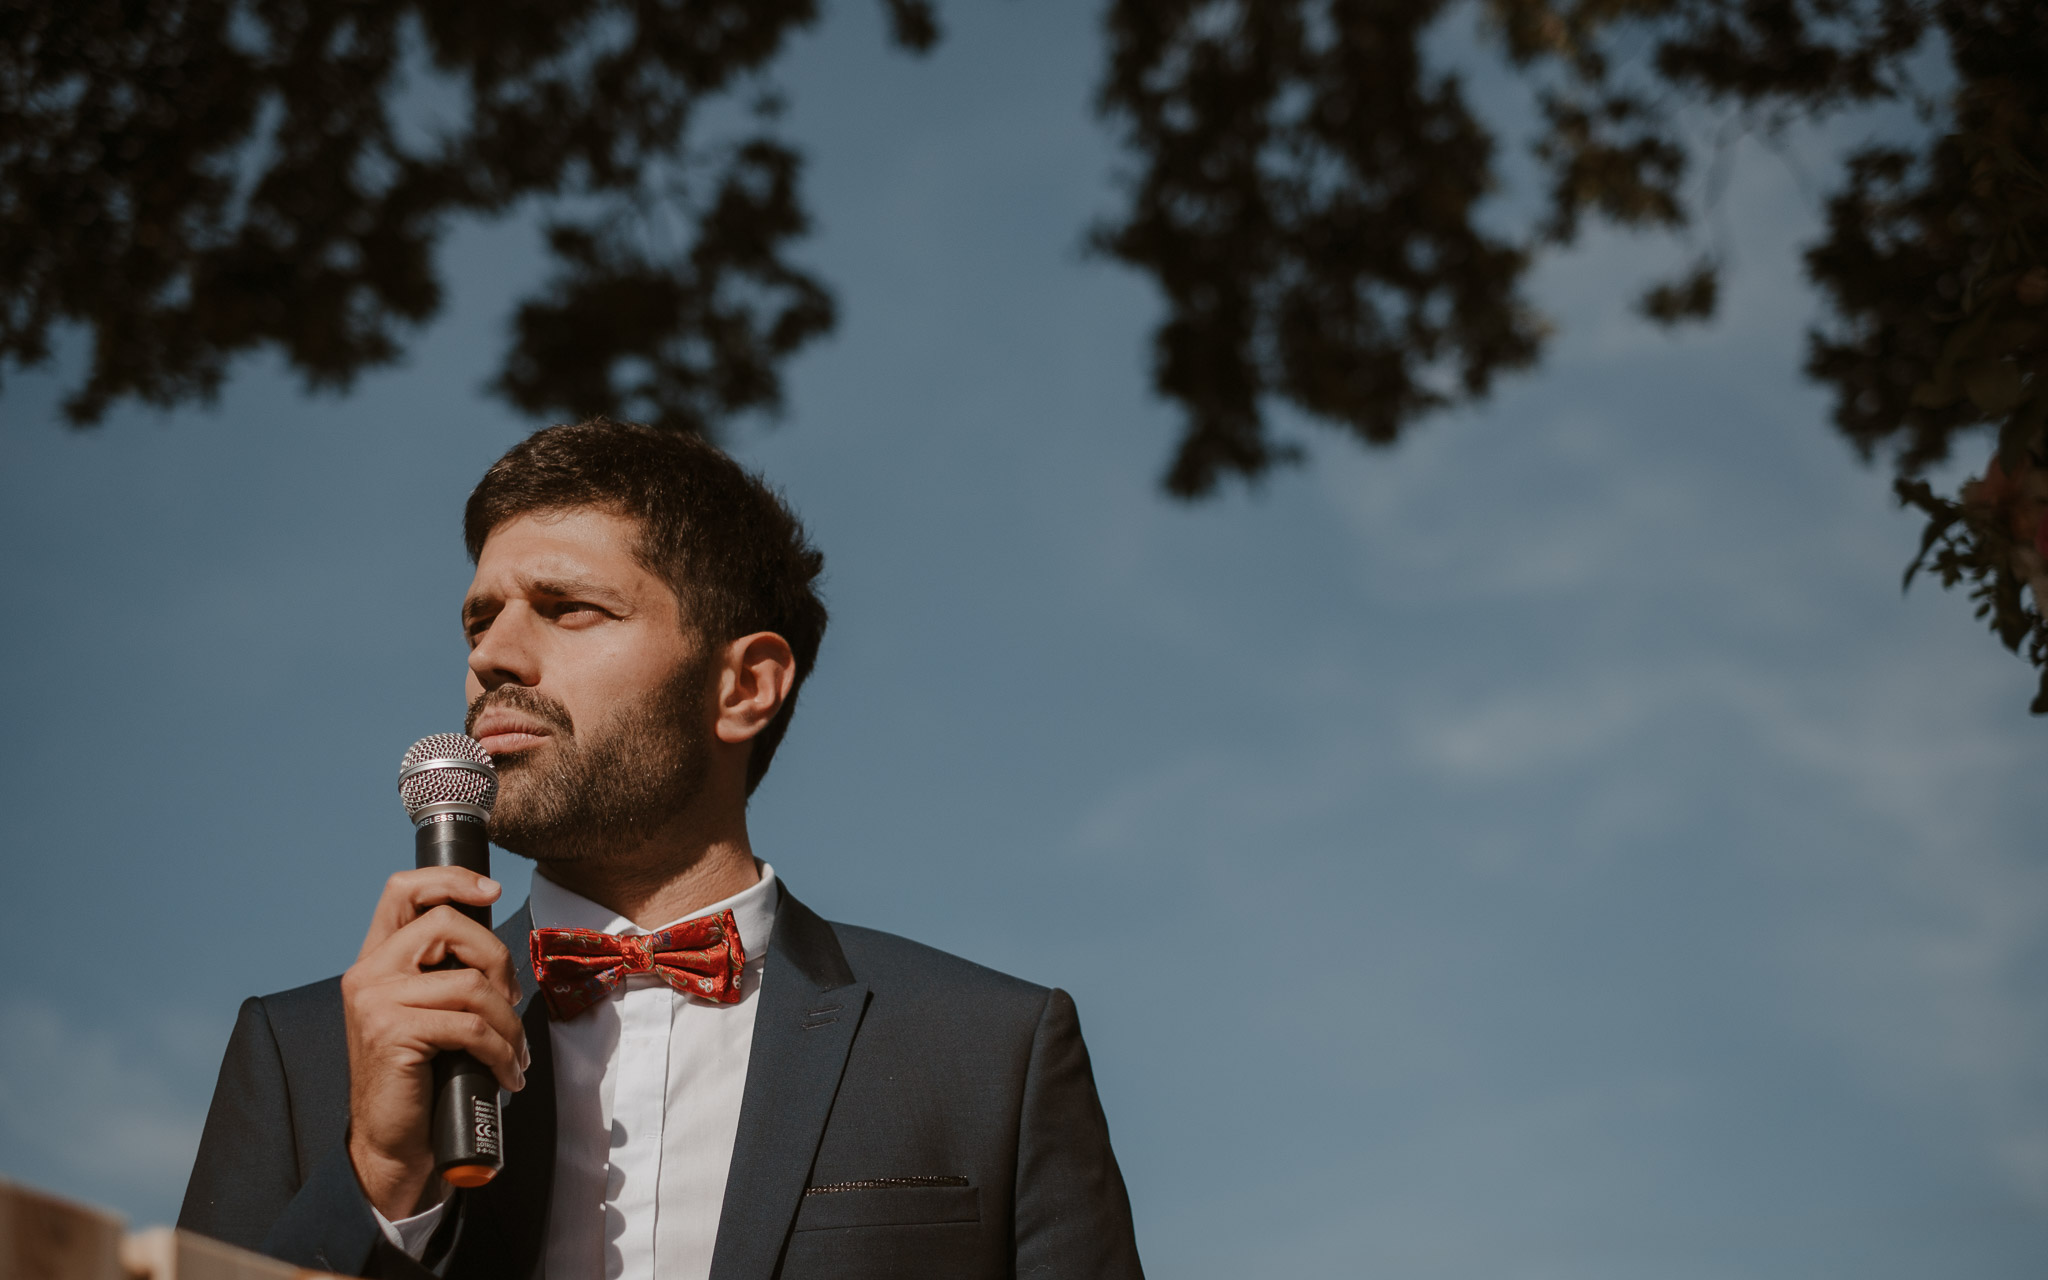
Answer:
[(663, 880)]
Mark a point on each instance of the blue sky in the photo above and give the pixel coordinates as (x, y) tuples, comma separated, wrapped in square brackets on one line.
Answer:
[(1551, 848)]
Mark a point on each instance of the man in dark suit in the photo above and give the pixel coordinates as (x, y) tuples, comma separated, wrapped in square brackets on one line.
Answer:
[(705, 1078)]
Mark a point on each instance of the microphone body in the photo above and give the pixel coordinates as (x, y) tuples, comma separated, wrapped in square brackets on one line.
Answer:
[(466, 1127), (455, 785)]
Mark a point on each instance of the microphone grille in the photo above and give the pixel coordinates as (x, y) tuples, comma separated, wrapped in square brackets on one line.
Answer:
[(447, 767)]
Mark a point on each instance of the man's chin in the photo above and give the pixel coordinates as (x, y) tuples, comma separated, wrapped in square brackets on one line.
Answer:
[(534, 846)]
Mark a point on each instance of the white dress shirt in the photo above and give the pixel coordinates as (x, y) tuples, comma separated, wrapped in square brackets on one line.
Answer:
[(648, 1085)]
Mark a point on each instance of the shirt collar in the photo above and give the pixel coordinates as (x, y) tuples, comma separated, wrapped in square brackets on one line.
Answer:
[(753, 910)]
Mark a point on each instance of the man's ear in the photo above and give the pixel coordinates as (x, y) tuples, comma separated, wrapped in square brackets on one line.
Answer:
[(753, 682)]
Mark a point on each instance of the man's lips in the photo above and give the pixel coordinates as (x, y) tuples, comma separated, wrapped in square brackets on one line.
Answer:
[(503, 734)]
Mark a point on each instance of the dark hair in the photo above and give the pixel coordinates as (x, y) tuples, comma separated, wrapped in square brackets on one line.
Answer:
[(726, 543)]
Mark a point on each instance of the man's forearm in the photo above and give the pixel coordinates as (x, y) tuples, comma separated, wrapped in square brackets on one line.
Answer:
[(245, 1187)]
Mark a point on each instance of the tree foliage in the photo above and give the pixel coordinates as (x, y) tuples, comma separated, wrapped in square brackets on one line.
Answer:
[(1306, 194), (1307, 190), (1935, 268), (193, 179), (1305, 200)]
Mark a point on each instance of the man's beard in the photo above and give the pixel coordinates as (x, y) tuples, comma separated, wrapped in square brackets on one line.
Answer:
[(584, 797)]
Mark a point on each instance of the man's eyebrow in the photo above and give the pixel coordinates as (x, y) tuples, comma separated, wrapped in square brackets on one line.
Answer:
[(478, 606), (576, 588)]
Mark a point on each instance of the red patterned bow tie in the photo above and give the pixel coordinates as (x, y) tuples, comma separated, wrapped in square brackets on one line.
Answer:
[(576, 968)]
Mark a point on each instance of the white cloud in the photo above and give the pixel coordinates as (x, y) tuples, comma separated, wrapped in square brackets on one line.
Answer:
[(1527, 731), (110, 1114)]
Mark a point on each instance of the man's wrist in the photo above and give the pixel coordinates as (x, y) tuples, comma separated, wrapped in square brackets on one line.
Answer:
[(410, 1235), (395, 1188)]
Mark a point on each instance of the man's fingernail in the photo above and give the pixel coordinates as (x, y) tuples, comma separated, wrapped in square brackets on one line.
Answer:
[(486, 883)]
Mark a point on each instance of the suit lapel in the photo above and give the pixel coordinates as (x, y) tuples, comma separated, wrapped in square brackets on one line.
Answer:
[(810, 1008), (505, 1229)]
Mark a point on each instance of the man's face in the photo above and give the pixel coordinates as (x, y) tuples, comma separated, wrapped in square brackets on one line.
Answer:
[(583, 685)]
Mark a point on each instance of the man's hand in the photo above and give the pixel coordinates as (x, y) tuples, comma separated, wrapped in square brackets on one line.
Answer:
[(401, 1013)]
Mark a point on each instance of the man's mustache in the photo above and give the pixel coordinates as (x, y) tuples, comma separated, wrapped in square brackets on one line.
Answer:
[(520, 698)]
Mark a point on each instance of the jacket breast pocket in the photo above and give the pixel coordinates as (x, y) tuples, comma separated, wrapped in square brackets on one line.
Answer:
[(876, 1231), (841, 1208)]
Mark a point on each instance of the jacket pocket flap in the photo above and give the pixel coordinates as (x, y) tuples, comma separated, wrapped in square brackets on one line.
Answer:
[(889, 1207)]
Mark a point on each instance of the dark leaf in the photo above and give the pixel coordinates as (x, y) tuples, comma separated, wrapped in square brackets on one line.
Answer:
[(1691, 297), (913, 24)]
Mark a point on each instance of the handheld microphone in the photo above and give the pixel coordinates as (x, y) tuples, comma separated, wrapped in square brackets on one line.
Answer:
[(449, 785)]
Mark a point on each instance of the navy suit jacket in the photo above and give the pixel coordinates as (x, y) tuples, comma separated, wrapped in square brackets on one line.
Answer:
[(906, 1114)]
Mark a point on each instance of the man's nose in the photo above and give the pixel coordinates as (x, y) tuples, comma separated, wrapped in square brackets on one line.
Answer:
[(506, 653)]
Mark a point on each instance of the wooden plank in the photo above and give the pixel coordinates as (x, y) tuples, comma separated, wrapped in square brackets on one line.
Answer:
[(43, 1237), (164, 1254)]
